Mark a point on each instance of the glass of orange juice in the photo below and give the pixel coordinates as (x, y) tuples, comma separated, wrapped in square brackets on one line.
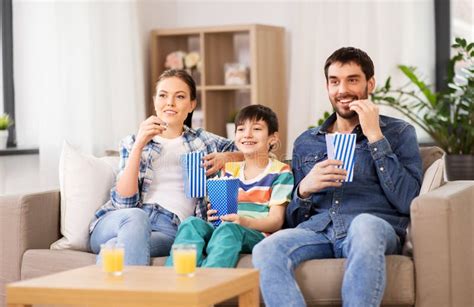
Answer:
[(112, 258), (184, 259)]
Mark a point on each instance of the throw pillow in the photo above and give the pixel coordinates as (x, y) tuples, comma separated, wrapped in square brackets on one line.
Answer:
[(85, 182), (432, 179)]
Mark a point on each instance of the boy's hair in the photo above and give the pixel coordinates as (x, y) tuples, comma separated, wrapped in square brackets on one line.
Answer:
[(346, 55), (258, 112)]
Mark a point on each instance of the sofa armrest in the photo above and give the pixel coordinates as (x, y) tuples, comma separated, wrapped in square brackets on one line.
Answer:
[(443, 236), (28, 221)]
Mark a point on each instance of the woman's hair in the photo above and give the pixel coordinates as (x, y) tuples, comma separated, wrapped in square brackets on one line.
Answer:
[(258, 112), (350, 54), (186, 78)]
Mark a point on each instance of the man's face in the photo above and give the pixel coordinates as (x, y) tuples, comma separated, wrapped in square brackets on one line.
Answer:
[(347, 82)]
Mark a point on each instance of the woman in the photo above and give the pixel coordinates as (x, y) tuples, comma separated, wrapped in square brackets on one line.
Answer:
[(148, 202)]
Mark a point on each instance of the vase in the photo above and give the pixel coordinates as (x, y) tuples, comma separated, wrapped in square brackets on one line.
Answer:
[(3, 139), (460, 167), (230, 129)]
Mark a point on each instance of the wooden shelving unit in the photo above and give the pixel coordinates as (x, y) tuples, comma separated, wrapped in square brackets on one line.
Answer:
[(259, 47)]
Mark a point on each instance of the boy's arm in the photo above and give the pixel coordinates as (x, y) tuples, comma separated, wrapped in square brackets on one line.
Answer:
[(271, 223), (279, 199)]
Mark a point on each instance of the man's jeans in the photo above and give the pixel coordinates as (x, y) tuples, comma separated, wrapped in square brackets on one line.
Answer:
[(143, 232), (368, 240)]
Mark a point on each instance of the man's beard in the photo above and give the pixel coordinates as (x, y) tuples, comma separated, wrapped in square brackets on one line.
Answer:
[(351, 114)]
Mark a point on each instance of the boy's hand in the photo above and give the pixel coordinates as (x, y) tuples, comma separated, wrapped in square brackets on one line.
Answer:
[(211, 213), (234, 218)]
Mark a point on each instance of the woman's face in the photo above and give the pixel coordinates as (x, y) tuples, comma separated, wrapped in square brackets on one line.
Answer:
[(173, 101)]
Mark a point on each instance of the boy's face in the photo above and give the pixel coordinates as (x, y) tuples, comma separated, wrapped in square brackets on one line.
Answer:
[(252, 137)]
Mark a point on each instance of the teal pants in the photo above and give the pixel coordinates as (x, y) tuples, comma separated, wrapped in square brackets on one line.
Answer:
[(216, 247)]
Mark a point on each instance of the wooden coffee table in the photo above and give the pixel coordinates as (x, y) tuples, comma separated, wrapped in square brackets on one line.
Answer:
[(138, 286)]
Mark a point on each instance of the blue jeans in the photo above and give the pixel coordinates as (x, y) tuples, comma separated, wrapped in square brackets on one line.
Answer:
[(368, 240), (143, 232)]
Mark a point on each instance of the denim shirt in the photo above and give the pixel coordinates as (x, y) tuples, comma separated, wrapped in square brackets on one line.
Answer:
[(387, 176), (194, 140)]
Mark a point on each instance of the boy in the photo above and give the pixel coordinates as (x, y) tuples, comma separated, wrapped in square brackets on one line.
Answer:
[(265, 186)]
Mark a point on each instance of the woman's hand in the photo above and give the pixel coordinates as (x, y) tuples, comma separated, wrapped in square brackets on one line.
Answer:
[(211, 213), (216, 161), (148, 129)]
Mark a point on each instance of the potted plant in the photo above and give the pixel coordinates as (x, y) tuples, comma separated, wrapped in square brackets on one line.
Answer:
[(447, 116), (5, 122), (230, 125)]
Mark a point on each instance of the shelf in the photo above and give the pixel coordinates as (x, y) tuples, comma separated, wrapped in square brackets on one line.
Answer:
[(257, 48), (246, 87)]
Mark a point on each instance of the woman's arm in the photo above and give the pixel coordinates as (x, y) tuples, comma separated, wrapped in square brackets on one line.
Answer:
[(127, 184)]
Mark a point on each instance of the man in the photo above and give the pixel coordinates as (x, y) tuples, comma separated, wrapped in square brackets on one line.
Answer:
[(361, 220)]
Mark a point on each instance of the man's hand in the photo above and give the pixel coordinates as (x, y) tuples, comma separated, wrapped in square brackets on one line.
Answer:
[(369, 118), (323, 175)]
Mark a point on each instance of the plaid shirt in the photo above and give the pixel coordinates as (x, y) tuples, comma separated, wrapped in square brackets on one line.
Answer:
[(194, 140)]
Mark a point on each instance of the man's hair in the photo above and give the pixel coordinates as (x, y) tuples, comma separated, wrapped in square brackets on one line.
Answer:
[(186, 78), (258, 112), (346, 55)]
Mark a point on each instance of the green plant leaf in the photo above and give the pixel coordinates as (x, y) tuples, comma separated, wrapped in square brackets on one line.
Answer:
[(410, 74)]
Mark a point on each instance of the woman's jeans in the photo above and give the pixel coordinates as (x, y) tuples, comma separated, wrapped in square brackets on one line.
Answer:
[(368, 240), (222, 245), (144, 232)]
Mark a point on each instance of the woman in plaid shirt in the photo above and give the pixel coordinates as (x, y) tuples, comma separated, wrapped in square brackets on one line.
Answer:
[(148, 202)]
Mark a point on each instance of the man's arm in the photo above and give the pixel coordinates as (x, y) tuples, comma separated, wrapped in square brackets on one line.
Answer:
[(323, 175), (399, 169)]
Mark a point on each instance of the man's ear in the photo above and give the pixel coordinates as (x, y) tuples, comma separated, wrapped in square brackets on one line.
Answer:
[(371, 85)]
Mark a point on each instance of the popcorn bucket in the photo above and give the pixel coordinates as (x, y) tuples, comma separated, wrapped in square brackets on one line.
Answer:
[(342, 147), (223, 194), (194, 175)]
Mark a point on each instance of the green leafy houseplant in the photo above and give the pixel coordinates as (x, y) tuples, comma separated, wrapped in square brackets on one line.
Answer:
[(5, 121), (447, 116)]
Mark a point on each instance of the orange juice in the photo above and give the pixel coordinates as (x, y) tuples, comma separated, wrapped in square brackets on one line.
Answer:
[(184, 260), (112, 260)]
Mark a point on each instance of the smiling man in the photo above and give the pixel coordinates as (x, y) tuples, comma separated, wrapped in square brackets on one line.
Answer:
[(362, 220)]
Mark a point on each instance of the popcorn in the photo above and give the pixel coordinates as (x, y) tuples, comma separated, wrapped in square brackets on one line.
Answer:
[(223, 196), (342, 147)]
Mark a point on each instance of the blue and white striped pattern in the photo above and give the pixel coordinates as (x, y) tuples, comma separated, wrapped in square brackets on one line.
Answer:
[(343, 150), (194, 174)]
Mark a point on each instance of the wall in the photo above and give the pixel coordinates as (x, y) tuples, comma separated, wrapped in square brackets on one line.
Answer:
[(391, 32), (81, 67)]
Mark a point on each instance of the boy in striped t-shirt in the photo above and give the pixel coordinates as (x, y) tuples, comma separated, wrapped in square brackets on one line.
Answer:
[(265, 186)]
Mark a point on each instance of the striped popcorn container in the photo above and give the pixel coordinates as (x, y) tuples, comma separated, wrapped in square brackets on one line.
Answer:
[(194, 175), (342, 147), (223, 194)]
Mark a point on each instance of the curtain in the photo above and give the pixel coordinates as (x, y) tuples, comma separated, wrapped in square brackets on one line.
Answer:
[(79, 76)]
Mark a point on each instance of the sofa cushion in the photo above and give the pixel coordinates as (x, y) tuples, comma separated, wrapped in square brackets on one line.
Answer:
[(319, 280), (85, 183)]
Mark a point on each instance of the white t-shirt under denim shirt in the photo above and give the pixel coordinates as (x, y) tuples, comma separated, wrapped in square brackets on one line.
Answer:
[(167, 187)]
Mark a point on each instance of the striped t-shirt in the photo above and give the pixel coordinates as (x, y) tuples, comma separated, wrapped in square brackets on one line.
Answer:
[(272, 187)]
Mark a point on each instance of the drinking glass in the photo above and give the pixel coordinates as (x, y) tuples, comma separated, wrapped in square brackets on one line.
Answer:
[(184, 259)]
